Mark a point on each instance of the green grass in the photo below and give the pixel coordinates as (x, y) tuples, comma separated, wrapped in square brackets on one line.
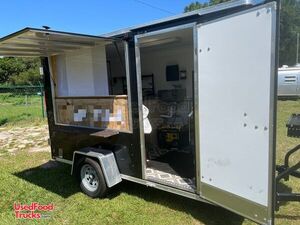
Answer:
[(290, 212), (23, 180), (18, 110), (285, 109)]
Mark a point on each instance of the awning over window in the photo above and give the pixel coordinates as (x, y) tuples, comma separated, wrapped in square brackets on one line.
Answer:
[(40, 42)]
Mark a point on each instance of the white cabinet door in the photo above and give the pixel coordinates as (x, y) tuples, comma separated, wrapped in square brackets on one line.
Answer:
[(236, 89)]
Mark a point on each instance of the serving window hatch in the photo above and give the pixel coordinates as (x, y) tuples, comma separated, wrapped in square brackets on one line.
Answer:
[(83, 69), (40, 42)]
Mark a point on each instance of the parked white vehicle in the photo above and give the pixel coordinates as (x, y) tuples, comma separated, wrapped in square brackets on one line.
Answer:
[(289, 81)]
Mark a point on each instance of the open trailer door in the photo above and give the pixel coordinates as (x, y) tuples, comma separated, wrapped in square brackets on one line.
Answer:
[(236, 111), (34, 42)]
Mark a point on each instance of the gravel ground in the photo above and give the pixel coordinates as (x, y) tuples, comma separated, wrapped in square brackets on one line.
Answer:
[(31, 139)]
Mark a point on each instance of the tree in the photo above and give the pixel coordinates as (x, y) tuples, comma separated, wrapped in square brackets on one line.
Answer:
[(214, 2), (198, 5), (194, 6), (19, 71), (27, 77), (10, 67), (289, 27)]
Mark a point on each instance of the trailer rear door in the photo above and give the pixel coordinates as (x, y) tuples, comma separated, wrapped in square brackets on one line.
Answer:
[(235, 108)]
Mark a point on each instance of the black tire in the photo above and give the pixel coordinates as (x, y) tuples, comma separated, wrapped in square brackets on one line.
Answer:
[(92, 191)]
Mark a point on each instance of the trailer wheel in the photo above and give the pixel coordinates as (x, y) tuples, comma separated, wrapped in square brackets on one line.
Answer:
[(91, 178)]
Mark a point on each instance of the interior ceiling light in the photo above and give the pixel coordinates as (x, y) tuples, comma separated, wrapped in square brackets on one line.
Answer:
[(156, 41)]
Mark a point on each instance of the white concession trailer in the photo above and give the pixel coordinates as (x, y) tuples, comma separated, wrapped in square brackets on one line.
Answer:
[(185, 104)]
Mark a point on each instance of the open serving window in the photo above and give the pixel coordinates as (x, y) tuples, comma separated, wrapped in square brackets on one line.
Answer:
[(89, 76)]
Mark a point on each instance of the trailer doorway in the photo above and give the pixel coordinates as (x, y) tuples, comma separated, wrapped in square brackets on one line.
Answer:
[(166, 73)]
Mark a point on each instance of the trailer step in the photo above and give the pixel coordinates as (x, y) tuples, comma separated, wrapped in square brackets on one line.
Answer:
[(105, 133)]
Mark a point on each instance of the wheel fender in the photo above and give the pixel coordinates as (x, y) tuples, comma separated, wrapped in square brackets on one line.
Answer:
[(106, 160)]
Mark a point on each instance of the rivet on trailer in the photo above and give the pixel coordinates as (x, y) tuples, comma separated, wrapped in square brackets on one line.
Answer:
[(174, 104)]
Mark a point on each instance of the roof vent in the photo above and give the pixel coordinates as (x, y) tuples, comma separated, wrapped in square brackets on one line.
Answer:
[(46, 27)]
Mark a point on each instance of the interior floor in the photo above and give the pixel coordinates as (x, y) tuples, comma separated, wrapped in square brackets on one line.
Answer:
[(164, 174), (174, 168)]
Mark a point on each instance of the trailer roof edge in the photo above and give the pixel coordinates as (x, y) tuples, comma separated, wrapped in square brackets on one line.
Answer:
[(203, 11)]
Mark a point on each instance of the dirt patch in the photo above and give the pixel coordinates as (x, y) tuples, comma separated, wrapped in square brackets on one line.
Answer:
[(4, 135), (40, 149), (32, 139)]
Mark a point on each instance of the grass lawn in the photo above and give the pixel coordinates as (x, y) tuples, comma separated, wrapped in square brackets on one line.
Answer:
[(20, 110), (25, 178)]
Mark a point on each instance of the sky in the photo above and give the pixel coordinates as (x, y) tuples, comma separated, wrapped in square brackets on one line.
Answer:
[(93, 17)]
